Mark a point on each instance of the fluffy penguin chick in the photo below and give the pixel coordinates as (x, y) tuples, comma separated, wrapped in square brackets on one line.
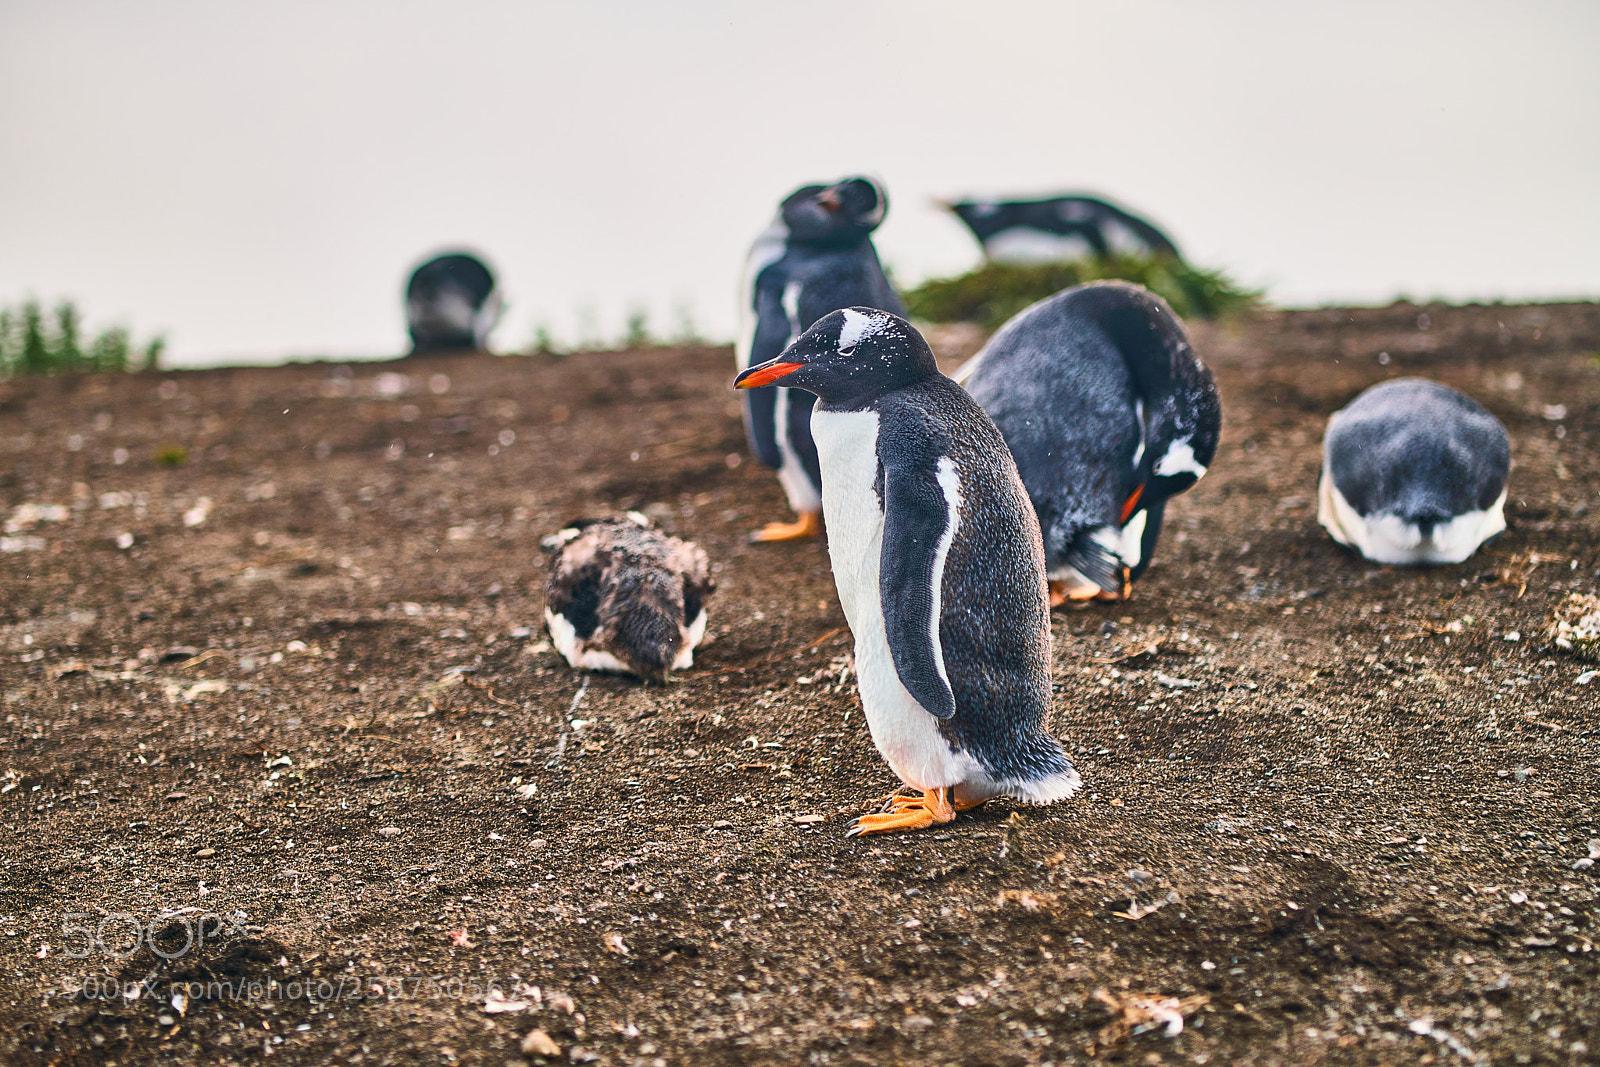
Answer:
[(625, 597), (1413, 472), (451, 303), (1108, 412), (816, 257), (935, 551)]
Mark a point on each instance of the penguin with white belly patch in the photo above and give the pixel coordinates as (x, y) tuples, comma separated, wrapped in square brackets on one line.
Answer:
[(936, 555), (1108, 412), (1413, 472), (816, 257)]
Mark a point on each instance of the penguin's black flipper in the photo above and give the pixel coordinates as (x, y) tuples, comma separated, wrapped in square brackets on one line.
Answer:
[(916, 517), (1094, 555)]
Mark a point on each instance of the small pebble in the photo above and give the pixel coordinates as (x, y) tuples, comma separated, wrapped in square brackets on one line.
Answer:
[(205, 853), (539, 1043)]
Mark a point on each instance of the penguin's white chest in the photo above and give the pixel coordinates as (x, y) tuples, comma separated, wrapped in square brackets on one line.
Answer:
[(904, 732)]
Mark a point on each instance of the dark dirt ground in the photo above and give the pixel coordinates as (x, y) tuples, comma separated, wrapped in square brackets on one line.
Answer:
[(1333, 813)]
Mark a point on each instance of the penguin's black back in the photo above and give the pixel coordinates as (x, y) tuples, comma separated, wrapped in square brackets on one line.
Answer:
[(994, 625), (1065, 381), (1417, 449)]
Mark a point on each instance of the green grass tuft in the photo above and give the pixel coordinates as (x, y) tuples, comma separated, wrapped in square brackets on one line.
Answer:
[(33, 343), (994, 292), (172, 456)]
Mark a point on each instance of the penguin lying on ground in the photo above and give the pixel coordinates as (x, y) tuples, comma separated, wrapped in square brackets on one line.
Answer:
[(622, 596), (1063, 227), (1108, 413), (1413, 472), (451, 303), (816, 257), (935, 551)]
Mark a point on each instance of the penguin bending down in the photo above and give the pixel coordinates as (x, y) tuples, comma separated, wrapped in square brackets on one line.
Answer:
[(622, 596), (1413, 472), (935, 551), (1063, 227), (816, 257), (1108, 412), (451, 303)]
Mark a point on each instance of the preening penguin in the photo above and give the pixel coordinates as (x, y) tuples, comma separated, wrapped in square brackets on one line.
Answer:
[(1062, 227), (622, 596), (451, 303), (1413, 472), (1108, 413), (935, 551), (816, 257)]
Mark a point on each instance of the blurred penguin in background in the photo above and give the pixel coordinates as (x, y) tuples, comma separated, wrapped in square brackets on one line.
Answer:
[(1413, 472), (452, 303), (816, 257), (1109, 413), (1062, 227)]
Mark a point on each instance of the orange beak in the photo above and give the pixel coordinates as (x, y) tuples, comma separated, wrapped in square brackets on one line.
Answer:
[(756, 377)]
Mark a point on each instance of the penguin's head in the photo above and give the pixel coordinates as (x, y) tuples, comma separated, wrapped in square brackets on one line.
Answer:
[(841, 214), (848, 357)]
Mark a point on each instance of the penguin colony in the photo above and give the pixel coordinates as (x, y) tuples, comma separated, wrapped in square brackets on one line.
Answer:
[(958, 512)]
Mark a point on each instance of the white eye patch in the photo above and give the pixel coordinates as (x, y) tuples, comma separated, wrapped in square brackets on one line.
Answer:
[(858, 327)]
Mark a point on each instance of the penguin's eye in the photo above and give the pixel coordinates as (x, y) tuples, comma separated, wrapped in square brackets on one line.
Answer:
[(848, 350)]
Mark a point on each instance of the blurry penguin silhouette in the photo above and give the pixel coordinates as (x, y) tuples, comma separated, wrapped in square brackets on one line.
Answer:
[(1108, 412), (1413, 472), (1062, 227), (816, 257), (624, 597), (452, 303), (935, 553)]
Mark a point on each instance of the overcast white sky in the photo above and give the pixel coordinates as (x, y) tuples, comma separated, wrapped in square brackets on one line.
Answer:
[(256, 180)]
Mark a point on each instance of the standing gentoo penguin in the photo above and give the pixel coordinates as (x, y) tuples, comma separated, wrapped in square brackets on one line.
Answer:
[(451, 303), (1413, 472), (1108, 412), (1063, 227), (622, 596), (816, 257), (935, 552)]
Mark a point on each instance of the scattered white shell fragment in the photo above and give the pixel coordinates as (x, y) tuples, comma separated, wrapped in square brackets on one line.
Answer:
[(496, 1003)]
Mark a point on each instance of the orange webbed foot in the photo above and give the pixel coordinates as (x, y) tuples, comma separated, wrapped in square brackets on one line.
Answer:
[(932, 808), (809, 524), (1078, 596)]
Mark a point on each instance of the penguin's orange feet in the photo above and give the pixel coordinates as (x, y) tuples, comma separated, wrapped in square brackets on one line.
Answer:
[(932, 808), (1124, 593), (809, 524), (1077, 595)]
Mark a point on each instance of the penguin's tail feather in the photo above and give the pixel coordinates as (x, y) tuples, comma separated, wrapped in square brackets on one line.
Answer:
[(1094, 555)]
